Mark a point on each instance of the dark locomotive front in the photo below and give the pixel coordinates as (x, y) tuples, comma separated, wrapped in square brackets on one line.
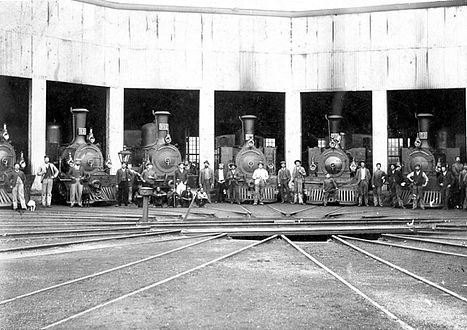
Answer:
[(7, 160), (99, 185), (338, 162)]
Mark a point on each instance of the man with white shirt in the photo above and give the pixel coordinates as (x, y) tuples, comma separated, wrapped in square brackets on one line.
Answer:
[(363, 179), (260, 175), (220, 176), (48, 172)]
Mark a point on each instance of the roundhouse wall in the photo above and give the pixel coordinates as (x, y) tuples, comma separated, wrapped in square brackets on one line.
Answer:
[(76, 42)]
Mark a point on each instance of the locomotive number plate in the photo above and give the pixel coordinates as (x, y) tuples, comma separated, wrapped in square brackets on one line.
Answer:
[(81, 130), (163, 126), (423, 135)]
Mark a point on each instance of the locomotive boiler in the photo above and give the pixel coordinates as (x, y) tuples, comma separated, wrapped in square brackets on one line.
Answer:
[(338, 162), (157, 147), (7, 160), (246, 159), (99, 185), (430, 160)]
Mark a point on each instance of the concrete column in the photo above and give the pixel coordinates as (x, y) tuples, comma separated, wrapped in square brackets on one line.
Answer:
[(115, 125), (380, 128), (37, 126), (206, 126), (293, 127), (465, 98)]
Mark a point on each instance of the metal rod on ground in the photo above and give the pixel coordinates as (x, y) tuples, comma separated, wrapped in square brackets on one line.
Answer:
[(189, 208), (403, 237)]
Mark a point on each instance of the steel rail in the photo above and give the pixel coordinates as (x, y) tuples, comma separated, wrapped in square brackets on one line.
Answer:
[(93, 240), (424, 240), (405, 246), (284, 213), (77, 231), (348, 284), (417, 277), (153, 285), (109, 270), (447, 238)]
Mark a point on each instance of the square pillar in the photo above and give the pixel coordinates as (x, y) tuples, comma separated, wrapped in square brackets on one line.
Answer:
[(293, 127), (37, 126), (206, 126), (379, 115), (115, 125)]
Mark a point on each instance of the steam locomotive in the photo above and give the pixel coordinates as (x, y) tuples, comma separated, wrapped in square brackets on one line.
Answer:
[(99, 186), (338, 162), (430, 160), (247, 157)]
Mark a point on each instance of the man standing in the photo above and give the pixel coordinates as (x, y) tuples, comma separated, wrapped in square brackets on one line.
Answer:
[(260, 175), (17, 179), (463, 185), (206, 179), (419, 180), (48, 172), (378, 179), (445, 182), (456, 169), (232, 180), (220, 177), (181, 178), (363, 178), (124, 176), (298, 175), (396, 179), (329, 188), (76, 173), (283, 179)]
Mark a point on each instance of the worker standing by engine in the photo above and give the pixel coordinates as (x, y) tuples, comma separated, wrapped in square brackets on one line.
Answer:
[(181, 178), (378, 179), (206, 179), (419, 180), (363, 180), (124, 176), (48, 172), (283, 179), (76, 173), (260, 175), (17, 180), (298, 175)]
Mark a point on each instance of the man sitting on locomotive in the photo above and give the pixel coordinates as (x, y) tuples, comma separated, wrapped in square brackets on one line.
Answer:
[(446, 182), (76, 174), (419, 180), (186, 197), (298, 175), (260, 175), (16, 182), (329, 188), (232, 180), (363, 179), (283, 179), (48, 172)]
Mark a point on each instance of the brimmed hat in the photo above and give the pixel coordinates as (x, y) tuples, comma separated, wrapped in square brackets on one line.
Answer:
[(206, 162), (260, 162), (297, 161), (232, 165)]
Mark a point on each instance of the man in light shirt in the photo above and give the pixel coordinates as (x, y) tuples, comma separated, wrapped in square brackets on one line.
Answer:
[(260, 175), (363, 179), (48, 172), (220, 175)]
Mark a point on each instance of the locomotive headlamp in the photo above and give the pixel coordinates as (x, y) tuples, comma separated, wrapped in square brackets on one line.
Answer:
[(124, 155), (91, 137), (5, 134)]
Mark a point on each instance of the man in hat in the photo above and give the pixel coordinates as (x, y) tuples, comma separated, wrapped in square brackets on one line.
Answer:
[(446, 182), (220, 176), (298, 175), (181, 178), (233, 175), (260, 175), (455, 190), (363, 180), (76, 173), (283, 179), (206, 179), (17, 180), (48, 172), (419, 180), (124, 176), (378, 179), (148, 177), (396, 181), (186, 197), (329, 188)]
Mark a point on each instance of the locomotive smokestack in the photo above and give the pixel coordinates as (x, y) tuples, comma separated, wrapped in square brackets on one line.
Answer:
[(79, 125), (248, 125), (334, 122), (162, 122), (424, 120)]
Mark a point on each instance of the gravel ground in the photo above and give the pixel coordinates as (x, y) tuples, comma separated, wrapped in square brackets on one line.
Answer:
[(414, 302), (271, 286), (45, 308)]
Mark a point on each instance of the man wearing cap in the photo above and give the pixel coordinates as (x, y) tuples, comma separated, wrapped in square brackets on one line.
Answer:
[(419, 180), (260, 175), (446, 182), (48, 172), (363, 179), (124, 176), (206, 179), (396, 181), (220, 176), (233, 175), (148, 176), (181, 178), (378, 179), (298, 175), (283, 179), (76, 173)]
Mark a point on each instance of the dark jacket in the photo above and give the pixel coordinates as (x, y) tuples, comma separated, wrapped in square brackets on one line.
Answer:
[(445, 179), (13, 177), (120, 175), (181, 176), (233, 177)]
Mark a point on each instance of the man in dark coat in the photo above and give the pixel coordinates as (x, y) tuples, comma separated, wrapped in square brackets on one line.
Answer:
[(396, 180), (181, 178), (329, 188), (378, 179), (220, 177), (283, 180), (233, 176), (186, 197), (445, 182), (124, 176), (419, 180), (17, 180)]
